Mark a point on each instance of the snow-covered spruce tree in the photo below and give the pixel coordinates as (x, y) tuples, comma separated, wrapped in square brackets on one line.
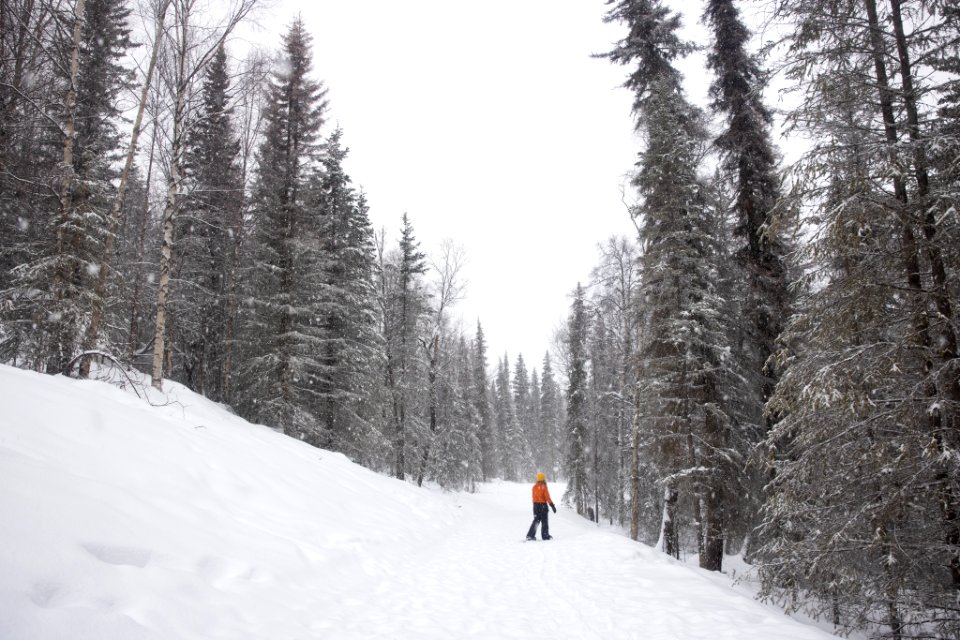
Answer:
[(281, 333), (455, 463), (520, 384), (516, 461), (534, 431), (205, 231), (577, 397), (749, 158), (870, 397), (31, 149), (481, 400), (76, 72), (351, 350), (550, 405), (686, 374), (404, 302)]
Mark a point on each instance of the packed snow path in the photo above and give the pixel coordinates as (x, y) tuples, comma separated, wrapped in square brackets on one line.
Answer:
[(483, 581), (125, 521)]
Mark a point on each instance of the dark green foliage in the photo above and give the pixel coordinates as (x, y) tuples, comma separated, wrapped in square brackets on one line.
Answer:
[(282, 331), (51, 216), (577, 396), (208, 227)]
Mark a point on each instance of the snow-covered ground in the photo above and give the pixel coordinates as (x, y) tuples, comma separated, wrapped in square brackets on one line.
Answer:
[(123, 521)]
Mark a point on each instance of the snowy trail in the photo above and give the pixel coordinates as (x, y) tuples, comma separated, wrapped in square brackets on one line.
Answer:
[(125, 521), (483, 581)]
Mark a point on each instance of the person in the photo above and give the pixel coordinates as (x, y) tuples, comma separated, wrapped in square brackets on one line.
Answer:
[(541, 500)]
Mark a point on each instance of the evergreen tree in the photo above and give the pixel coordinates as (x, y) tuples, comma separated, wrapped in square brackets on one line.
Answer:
[(350, 345), (748, 155), (576, 429), (870, 351), (30, 89), (456, 463), (481, 400), (207, 227), (521, 397), (550, 420), (282, 329), (534, 430), (506, 421), (685, 419), (57, 256), (404, 301)]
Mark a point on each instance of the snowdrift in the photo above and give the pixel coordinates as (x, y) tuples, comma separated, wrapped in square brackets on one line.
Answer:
[(124, 520)]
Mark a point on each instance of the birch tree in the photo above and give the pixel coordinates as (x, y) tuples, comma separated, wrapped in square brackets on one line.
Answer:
[(193, 44)]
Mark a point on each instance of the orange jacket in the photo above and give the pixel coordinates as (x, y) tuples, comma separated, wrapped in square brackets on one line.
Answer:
[(541, 494)]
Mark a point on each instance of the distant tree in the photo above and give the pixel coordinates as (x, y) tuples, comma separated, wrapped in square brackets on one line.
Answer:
[(448, 290), (521, 396), (404, 302), (615, 281), (506, 421), (481, 400), (576, 428), (456, 460), (550, 406)]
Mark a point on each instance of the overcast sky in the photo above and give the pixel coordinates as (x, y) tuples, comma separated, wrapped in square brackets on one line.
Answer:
[(489, 124)]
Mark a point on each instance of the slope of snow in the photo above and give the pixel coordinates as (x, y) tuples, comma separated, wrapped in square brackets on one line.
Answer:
[(126, 521)]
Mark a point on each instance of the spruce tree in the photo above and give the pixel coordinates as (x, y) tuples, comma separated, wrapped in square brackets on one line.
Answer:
[(550, 406), (350, 348), (403, 300), (576, 428), (76, 71), (870, 348), (748, 156), (282, 331), (684, 416), (506, 420), (206, 230), (481, 400)]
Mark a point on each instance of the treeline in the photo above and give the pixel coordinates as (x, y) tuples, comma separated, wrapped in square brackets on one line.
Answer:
[(786, 382), (230, 250)]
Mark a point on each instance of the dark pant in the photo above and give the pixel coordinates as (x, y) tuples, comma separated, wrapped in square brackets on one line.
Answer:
[(540, 511)]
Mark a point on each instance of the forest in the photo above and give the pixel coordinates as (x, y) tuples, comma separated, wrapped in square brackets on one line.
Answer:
[(768, 368)]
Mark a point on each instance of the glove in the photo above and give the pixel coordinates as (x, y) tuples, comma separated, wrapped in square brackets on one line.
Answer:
[(554, 507)]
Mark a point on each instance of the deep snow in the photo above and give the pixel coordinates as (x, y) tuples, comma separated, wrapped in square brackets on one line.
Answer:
[(124, 521)]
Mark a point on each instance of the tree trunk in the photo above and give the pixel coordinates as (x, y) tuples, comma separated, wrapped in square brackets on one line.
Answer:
[(669, 540), (134, 330), (635, 470), (711, 555), (170, 210)]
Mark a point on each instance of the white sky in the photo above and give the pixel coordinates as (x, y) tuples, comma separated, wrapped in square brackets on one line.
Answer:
[(489, 124)]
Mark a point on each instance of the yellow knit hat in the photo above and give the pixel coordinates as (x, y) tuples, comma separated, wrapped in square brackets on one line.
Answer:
[(541, 477)]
